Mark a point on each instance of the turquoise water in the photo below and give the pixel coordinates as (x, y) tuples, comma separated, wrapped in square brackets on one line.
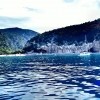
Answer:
[(50, 77)]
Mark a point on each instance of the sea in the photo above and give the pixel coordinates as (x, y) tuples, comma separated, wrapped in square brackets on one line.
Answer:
[(50, 77)]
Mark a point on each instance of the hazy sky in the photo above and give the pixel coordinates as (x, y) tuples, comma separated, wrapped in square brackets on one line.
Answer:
[(44, 15)]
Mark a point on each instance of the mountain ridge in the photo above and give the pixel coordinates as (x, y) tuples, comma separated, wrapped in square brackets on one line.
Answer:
[(74, 34), (15, 38)]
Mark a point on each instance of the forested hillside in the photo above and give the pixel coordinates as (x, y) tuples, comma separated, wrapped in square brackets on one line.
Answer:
[(13, 39), (73, 36)]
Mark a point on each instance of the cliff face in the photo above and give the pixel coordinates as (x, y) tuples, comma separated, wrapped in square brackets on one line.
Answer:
[(12, 39), (76, 38)]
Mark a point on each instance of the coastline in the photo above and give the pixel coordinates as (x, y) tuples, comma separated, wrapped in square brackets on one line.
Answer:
[(12, 55), (68, 54)]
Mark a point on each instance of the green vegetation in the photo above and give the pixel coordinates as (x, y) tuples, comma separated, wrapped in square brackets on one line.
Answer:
[(70, 33), (14, 39), (67, 35)]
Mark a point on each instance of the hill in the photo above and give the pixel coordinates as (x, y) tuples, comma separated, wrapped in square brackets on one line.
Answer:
[(13, 39), (75, 38)]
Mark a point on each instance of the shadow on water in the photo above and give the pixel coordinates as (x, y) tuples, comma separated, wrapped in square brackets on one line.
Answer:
[(50, 77)]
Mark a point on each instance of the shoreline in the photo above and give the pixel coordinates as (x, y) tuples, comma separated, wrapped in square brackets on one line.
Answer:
[(14, 55)]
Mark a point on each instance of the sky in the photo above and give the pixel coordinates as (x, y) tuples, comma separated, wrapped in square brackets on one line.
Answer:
[(45, 15)]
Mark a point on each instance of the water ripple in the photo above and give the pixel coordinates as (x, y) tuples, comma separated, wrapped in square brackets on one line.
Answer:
[(49, 78)]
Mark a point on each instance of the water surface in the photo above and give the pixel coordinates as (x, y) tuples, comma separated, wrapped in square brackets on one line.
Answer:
[(50, 77)]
